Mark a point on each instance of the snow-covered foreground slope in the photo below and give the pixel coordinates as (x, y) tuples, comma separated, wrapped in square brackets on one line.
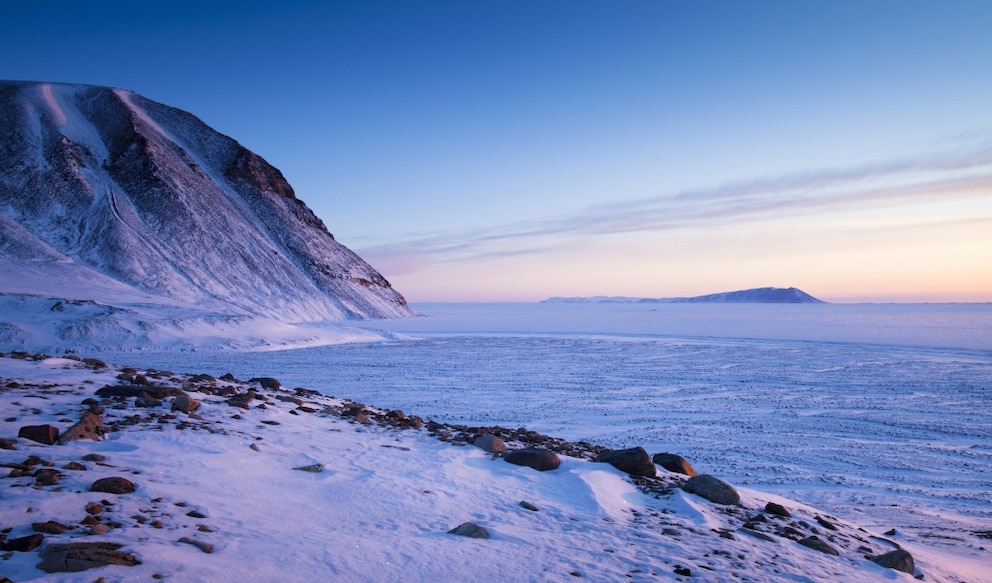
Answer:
[(109, 197), (224, 480)]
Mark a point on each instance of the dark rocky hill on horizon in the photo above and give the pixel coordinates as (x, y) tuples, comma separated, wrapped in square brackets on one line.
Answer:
[(761, 295)]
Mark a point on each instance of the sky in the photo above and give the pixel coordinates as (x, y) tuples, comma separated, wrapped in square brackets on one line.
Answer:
[(513, 151)]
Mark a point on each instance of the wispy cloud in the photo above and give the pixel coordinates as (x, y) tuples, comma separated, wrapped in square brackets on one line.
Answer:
[(887, 185)]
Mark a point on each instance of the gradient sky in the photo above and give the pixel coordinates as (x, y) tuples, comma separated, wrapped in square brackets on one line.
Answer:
[(511, 151)]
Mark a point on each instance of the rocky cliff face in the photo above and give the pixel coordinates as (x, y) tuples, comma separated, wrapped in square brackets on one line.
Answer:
[(121, 193)]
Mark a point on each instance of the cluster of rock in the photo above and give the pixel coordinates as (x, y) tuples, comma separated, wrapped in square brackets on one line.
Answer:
[(150, 393), (643, 470)]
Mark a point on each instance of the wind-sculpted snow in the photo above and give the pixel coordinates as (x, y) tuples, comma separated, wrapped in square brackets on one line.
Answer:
[(151, 197), (893, 436)]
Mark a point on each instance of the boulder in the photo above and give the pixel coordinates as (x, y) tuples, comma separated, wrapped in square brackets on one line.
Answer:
[(89, 427), (818, 545), (777, 510), (185, 404), (44, 434), (470, 529), (22, 544), (532, 457), (713, 489), (73, 557), (114, 485), (49, 527), (634, 461), (490, 443), (899, 559), (266, 382), (674, 463)]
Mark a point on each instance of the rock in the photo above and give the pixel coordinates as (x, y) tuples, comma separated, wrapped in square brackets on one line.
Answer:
[(528, 506), (94, 457), (242, 400), (127, 391), (7, 443), (23, 544), (899, 559), (266, 382), (50, 527), (185, 404), (713, 489), (491, 443), (777, 510), (74, 466), (819, 545), (290, 399), (470, 529), (46, 477), (205, 547), (89, 427), (114, 485), (44, 434), (313, 468), (73, 557), (683, 571), (825, 523), (532, 457), (674, 463), (634, 461)]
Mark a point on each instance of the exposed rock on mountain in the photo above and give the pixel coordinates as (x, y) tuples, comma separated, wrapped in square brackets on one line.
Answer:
[(112, 198)]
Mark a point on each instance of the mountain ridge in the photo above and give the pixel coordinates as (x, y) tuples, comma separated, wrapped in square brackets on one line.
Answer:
[(119, 191), (759, 295)]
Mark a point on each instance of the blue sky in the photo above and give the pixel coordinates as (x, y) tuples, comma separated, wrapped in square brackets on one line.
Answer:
[(485, 151)]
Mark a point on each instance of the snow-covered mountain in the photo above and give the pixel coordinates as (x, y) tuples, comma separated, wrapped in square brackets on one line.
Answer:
[(110, 198)]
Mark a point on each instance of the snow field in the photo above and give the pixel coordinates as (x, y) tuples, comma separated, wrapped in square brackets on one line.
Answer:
[(380, 509)]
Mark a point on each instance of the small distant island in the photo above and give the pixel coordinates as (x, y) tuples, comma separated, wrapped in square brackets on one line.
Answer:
[(759, 295)]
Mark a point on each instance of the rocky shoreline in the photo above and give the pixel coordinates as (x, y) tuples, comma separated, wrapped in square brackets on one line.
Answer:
[(153, 400)]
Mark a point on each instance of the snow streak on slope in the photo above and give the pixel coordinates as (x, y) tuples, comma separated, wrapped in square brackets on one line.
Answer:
[(126, 190)]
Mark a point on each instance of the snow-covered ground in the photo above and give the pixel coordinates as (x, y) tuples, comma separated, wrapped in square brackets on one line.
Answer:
[(888, 429)]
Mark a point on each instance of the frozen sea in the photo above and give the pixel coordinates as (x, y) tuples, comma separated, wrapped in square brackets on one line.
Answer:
[(878, 413)]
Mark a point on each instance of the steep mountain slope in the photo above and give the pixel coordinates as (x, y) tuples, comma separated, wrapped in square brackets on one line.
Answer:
[(125, 193)]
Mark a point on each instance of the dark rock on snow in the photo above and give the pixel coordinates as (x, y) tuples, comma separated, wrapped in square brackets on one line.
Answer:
[(674, 463), (777, 510), (114, 485), (634, 461), (74, 557), (44, 434), (899, 559), (50, 527), (470, 529), (490, 443), (532, 457), (818, 545), (185, 404), (22, 544), (89, 427), (713, 489), (266, 382)]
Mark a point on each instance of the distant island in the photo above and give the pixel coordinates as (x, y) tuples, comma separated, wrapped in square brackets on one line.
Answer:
[(760, 295)]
